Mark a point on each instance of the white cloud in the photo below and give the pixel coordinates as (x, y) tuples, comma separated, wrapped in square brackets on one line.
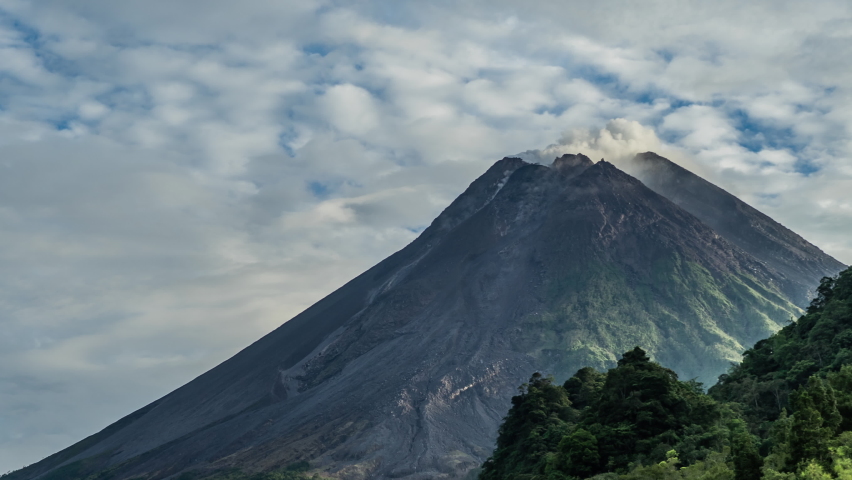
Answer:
[(350, 109), (702, 126)]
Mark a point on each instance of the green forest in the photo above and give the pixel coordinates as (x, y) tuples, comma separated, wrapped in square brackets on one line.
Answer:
[(785, 412)]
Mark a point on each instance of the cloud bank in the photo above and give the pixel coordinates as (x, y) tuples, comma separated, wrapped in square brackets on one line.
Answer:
[(179, 178)]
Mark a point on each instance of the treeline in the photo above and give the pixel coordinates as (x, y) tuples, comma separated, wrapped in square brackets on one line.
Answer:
[(784, 413)]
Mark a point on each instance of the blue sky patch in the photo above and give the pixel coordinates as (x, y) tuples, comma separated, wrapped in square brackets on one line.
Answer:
[(127, 98), (601, 79), (319, 189), (63, 124), (805, 166), (757, 135), (554, 110), (317, 49), (29, 35), (666, 55)]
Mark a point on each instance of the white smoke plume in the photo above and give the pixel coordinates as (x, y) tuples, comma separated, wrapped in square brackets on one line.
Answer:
[(618, 142)]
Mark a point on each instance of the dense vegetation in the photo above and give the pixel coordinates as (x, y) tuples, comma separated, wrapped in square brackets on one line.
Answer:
[(784, 413)]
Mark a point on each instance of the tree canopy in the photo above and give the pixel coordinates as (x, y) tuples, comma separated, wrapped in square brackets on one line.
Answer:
[(785, 412)]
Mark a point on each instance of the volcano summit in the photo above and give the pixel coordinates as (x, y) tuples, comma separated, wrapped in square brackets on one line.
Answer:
[(406, 371)]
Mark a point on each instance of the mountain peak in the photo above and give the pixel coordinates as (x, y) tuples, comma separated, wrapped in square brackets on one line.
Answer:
[(606, 171), (571, 164), (653, 156)]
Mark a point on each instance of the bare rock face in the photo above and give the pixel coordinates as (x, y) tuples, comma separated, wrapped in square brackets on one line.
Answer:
[(407, 370), (572, 165)]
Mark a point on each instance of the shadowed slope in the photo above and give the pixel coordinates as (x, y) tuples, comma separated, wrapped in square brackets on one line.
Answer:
[(247, 381)]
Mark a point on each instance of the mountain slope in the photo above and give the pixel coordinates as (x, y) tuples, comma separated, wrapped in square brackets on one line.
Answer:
[(799, 263), (403, 372)]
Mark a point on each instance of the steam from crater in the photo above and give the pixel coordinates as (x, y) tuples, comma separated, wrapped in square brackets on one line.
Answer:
[(618, 142)]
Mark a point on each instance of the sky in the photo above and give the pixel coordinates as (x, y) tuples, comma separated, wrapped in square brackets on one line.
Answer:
[(178, 178)]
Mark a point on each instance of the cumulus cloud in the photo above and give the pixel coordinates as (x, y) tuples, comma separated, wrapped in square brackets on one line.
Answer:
[(181, 178)]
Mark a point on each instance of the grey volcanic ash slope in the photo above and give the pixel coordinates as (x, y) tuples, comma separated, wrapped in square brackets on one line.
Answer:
[(799, 263), (407, 370)]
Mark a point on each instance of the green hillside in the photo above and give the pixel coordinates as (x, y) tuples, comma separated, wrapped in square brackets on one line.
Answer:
[(785, 412), (680, 313)]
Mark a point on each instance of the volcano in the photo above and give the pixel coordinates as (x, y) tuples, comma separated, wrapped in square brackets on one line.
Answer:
[(407, 370)]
